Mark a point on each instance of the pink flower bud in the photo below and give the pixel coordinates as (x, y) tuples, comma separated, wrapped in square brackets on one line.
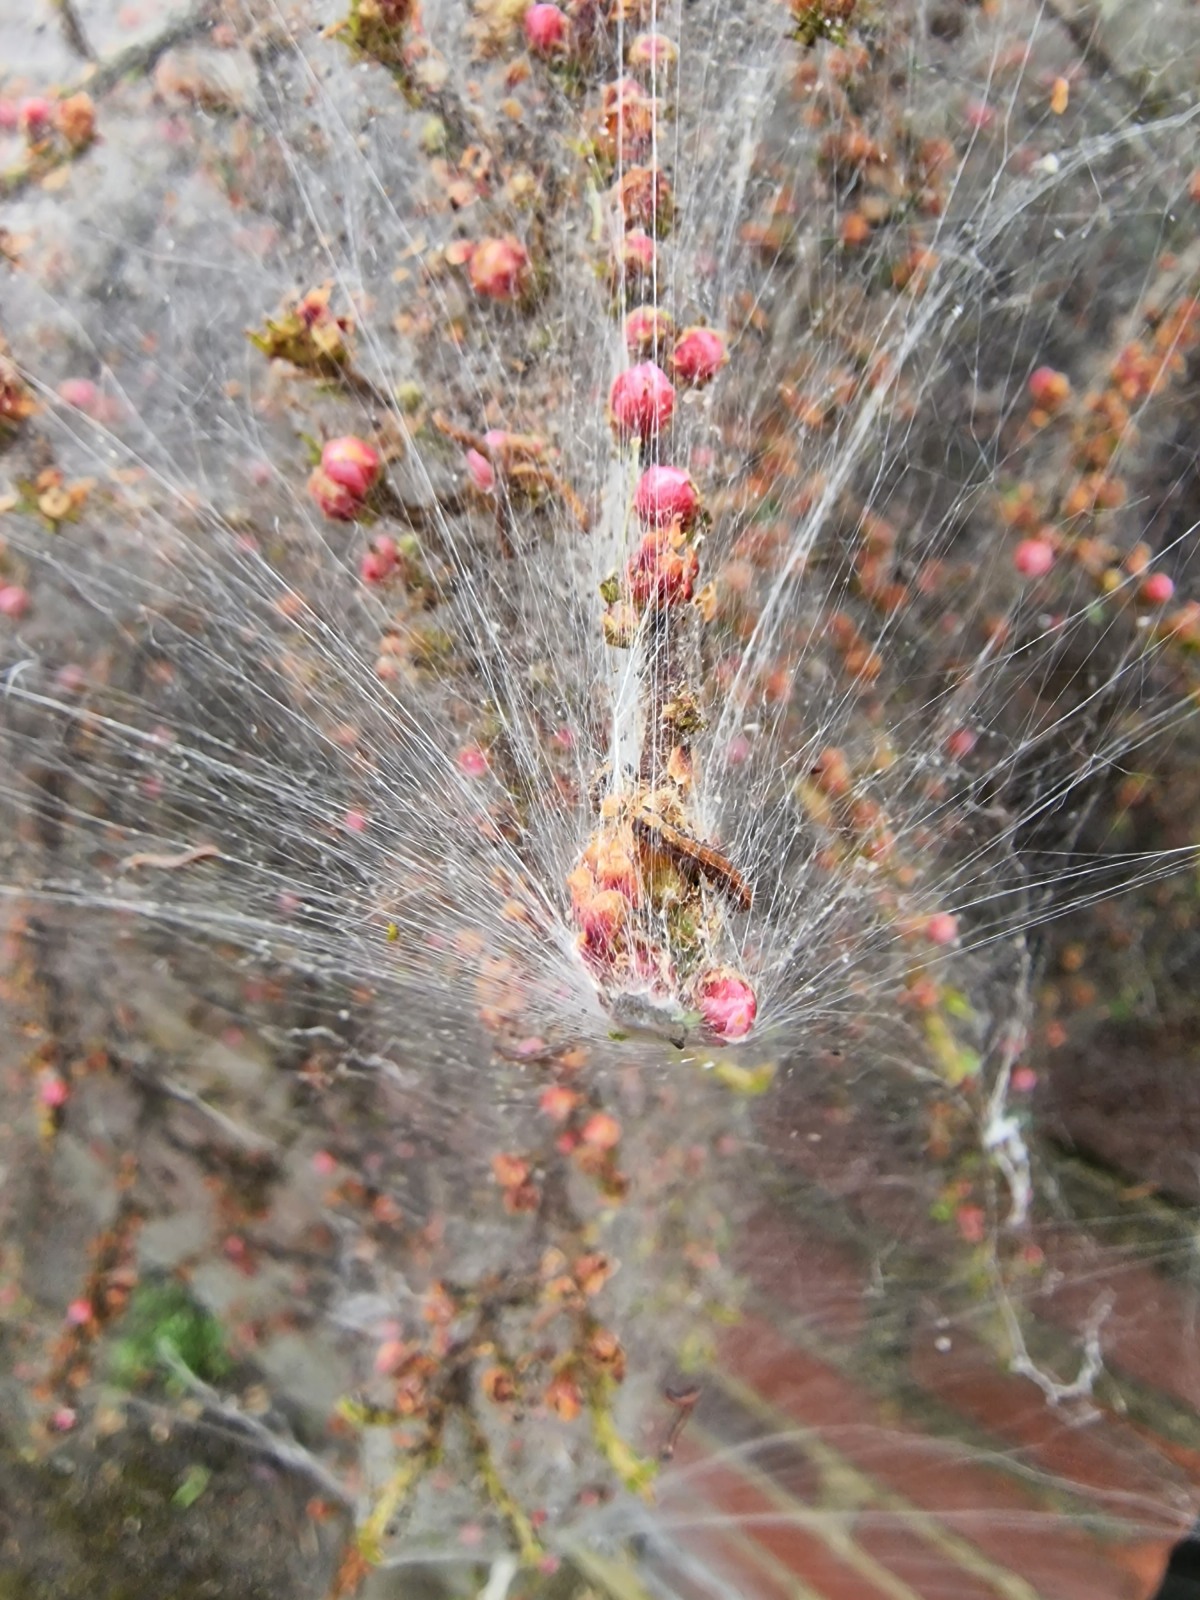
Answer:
[(481, 472), (1033, 558), (557, 1103), (499, 269), (334, 501), (601, 1131), (972, 1223), (352, 463), (960, 744), (472, 762), (80, 393), (35, 115), (1156, 590), (1048, 388), (942, 928), (348, 472), (546, 30), (665, 495), (648, 331), (699, 355), (14, 601), (379, 562), (979, 115), (634, 260), (726, 1002), (641, 401), (53, 1091), (652, 52)]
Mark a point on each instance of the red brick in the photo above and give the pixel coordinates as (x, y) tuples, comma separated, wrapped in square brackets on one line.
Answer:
[(726, 1556), (861, 1160), (1002, 1517), (925, 1568), (1122, 1472), (805, 1272), (764, 1521), (1150, 1332)]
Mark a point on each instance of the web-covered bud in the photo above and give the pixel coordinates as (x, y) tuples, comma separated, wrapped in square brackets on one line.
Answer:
[(665, 495), (663, 570), (653, 54), (641, 401), (699, 355), (348, 471), (547, 30), (648, 332), (499, 269), (727, 1002)]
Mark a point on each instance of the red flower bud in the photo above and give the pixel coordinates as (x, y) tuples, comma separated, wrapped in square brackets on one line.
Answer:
[(351, 462), (380, 561), (1033, 558), (634, 260), (726, 1002), (348, 472), (557, 1103), (665, 495), (35, 115), (648, 331), (700, 354), (499, 269), (510, 1171), (80, 393), (546, 30), (14, 601), (942, 928), (601, 1131), (1156, 590), (1048, 388), (641, 401)]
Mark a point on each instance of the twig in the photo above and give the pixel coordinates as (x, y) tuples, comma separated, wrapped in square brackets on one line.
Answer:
[(73, 29), (165, 863), (285, 1451), (530, 1549), (244, 1138), (136, 59), (684, 1401)]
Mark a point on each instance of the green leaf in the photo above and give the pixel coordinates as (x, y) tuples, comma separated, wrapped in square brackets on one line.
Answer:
[(195, 1481)]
